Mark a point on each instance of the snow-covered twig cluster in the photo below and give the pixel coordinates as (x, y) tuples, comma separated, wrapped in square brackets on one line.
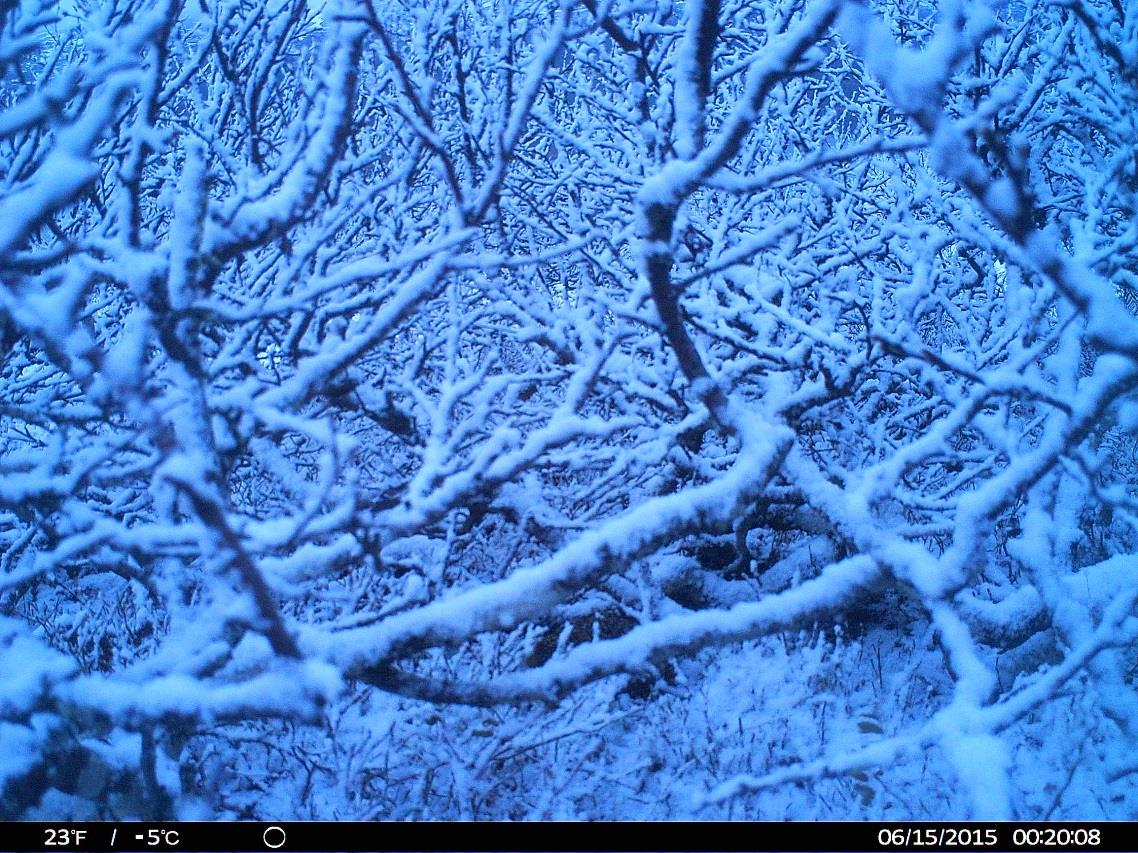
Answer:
[(497, 408)]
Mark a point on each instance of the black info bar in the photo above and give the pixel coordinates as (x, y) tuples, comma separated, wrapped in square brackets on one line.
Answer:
[(348, 837)]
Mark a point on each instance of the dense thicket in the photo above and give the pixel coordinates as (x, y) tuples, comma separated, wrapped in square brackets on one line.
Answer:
[(530, 409)]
